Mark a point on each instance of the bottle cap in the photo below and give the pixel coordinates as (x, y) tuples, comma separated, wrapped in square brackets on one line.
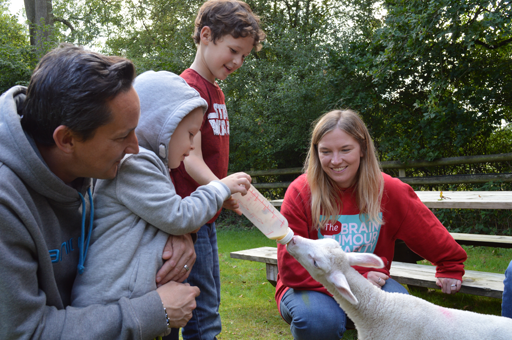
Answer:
[(287, 238)]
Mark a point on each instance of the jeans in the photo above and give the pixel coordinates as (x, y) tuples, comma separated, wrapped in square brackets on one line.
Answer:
[(205, 274), (313, 315), (506, 302)]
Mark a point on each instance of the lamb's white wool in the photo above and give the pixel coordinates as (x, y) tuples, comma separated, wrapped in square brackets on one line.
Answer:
[(388, 316)]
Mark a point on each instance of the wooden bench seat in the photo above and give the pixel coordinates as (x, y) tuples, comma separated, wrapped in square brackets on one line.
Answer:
[(474, 282)]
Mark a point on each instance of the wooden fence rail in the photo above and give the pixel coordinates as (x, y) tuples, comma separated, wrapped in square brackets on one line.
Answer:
[(432, 180)]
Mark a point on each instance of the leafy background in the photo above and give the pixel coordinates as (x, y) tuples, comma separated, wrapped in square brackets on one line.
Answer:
[(431, 78)]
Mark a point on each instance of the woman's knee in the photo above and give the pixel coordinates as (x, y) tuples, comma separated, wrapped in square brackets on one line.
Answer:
[(393, 286), (313, 315), (319, 326)]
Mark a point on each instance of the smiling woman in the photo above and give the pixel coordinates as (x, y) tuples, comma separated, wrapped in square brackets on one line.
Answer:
[(344, 196)]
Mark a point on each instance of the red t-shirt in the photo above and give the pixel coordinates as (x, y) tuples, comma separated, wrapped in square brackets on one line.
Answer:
[(214, 135), (405, 217)]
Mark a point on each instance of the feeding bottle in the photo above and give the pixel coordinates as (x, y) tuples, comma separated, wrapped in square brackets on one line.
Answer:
[(264, 215)]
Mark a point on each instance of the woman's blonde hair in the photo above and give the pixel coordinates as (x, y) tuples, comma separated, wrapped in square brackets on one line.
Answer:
[(325, 193)]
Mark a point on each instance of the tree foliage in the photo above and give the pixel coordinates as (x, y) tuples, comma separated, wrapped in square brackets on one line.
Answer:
[(433, 80), (16, 57), (280, 90)]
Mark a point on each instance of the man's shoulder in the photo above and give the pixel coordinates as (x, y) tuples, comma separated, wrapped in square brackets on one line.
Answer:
[(14, 192), (9, 178)]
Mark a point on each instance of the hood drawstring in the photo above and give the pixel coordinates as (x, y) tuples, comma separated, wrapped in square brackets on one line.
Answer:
[(83, 252)]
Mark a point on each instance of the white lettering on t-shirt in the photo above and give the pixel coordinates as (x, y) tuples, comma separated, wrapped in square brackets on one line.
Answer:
[(219, 120), (353, 232)]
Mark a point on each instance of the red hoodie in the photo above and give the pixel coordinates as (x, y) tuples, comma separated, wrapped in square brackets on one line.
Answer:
[(405, 217)]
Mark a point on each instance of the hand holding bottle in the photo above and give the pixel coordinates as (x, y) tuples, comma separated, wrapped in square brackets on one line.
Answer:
[(238, 182)]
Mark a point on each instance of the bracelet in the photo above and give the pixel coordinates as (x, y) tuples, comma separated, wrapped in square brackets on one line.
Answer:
[(167, 318)]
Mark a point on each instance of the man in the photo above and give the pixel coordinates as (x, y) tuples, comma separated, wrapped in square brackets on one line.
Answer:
[(75, 122)]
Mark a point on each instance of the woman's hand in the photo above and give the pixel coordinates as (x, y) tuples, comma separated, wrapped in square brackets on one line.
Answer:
[(377, 278), (449, 286)]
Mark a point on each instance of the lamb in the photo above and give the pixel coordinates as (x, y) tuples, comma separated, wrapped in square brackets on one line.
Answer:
[(382, 315)]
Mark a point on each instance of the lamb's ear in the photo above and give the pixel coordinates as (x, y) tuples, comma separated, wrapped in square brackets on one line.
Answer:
[(340, 282), (365, 260)]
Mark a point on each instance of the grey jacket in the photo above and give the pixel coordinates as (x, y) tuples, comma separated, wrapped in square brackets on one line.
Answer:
[(136, 211), (40, 223)]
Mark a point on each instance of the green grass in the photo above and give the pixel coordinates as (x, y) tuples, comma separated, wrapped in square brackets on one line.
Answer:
[(248, 309)]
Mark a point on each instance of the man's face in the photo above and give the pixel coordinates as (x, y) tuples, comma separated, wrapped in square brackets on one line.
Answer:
[(99, 156)]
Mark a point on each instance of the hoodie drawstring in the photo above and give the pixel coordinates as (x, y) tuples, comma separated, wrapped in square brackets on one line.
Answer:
[(83, 253)]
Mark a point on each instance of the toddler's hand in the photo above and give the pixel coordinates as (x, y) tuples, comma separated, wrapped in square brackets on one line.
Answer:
[(238, 182)]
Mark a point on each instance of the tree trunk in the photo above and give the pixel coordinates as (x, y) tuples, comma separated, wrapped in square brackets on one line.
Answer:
[(40, 17)]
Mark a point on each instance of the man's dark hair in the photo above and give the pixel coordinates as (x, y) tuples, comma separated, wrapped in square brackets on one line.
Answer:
[(72, 87), (224, 17)]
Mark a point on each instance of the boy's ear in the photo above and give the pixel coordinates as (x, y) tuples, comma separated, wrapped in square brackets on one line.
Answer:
[(206, 35), (64, 138)]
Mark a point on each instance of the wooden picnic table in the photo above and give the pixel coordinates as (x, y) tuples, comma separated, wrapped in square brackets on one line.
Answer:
[(466, 199), (458, 199)]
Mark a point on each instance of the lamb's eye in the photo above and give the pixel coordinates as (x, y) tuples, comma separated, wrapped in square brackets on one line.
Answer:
[(314, 262)]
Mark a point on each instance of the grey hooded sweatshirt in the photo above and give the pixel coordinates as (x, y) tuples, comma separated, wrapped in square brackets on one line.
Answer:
[(40, 229), (136, 211)]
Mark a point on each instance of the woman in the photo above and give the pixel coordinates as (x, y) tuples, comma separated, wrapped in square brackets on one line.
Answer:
[(345, 196)]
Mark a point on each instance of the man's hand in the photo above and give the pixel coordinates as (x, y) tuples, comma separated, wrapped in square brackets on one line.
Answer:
[(179, 300), (178, 252)]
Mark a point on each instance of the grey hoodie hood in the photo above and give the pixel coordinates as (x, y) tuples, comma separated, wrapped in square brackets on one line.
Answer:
[(19, 153), (165, 99)]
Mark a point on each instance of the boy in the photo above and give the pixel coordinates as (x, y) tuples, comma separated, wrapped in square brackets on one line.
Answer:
[(226, 31), (137, 210)]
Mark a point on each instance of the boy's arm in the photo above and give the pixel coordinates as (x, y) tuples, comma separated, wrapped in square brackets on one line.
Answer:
[(202, 174), (195, 165)]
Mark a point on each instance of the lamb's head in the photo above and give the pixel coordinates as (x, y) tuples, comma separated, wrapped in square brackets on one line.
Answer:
[(327, 262)]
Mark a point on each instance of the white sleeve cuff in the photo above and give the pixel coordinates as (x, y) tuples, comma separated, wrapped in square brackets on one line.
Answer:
[(222, 188)]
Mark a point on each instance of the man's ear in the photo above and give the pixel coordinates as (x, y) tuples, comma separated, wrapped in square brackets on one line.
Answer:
[(64, 138), (205, 35)]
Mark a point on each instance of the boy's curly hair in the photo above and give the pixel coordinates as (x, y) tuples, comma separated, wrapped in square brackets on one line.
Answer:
[(224, 17)]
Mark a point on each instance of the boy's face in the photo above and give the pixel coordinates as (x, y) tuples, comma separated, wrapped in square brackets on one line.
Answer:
[(182, 139), (224, 56)]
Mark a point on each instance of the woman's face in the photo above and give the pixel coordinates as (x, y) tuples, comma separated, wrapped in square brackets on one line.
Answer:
[(340, 155)]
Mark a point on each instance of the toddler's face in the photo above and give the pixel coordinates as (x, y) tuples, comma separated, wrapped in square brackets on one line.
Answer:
[(183, 137)]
